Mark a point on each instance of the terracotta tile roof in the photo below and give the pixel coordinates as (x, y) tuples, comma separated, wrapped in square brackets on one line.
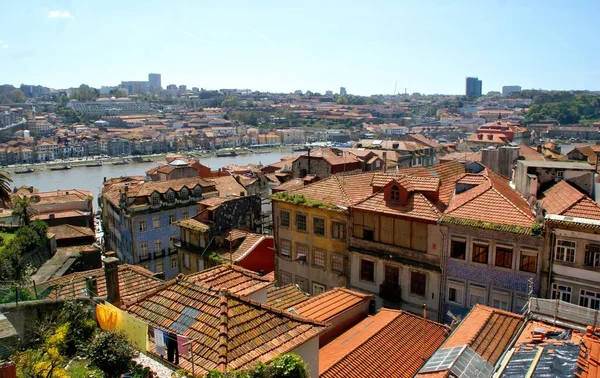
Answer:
[(530, 153), (67, 231), (194, 224), (331, 157), (290, 185), (61, 196), (214, 202), (235, 279), (389, 344), (250, 242), (471, 179), (227, 186), (340, 190), (589, 356), (331, 303), (62, 214), (227, 331), (462, 157), (417, 206), (488, 331), (493, 202), (410, 183), (589, 152), (564, 199), (134, 282), (286, 296)]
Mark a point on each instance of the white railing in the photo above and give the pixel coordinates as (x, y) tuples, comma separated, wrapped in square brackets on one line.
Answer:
[(563, 312)]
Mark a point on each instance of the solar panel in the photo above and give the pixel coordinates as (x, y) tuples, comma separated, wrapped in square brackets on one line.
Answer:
[(442, 359), (461, 361)]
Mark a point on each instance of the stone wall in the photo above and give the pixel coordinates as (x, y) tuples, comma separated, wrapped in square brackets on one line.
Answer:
[(242, 212)]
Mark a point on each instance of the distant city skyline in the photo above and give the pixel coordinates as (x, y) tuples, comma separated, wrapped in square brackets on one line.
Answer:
[(426, 47)]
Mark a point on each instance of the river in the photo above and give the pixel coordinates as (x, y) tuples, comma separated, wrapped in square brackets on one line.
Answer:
[(90, 178)]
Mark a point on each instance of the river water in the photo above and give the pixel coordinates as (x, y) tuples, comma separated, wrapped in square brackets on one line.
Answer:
[(91, 178)]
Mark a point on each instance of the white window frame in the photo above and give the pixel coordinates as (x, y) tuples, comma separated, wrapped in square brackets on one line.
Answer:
[(564, 292), (317, 288), (158, 251), (143, 226), (154, 221), (158, 262), (302, 251), (595, 256), (592, 297), (565, 250), (174, 264), (501, 299), (334, 256), (288, 251), (186, 260), (172, 219), (459, 287), (479, 292)]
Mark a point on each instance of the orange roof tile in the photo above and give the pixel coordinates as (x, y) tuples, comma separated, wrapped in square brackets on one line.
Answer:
[(251, 240), (330, 156), (331, 303), (235, 279), (227, 331), (290, 184), (417, 206), (67, 231), (488, 331), (589, 357), (564, 199), (410, 183), (286, 296), (134, 282), (389, 344)]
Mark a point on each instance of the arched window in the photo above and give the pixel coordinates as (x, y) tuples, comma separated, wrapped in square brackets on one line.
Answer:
[(395, 193)]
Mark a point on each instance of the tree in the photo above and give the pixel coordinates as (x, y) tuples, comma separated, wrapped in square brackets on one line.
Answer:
[(5, 191), (22, 208), (17, 95), (288, 365), (229, 102), (112, 353)]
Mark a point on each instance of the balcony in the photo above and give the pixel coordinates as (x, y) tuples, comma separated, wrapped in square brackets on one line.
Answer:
[(390, 291)]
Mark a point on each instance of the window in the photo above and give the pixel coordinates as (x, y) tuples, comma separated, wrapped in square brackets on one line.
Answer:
[(143, 226), (520, 303), (284, 220), (392, 275), (395, 195), (302, 253), (143, 250), (565, 251), (318, 289), (560, 174), (285, 248), (159, 266), (170, 196), (302, 284), (285, 278), (561, 292), (185, 215), (367, 270), (592, 255), (377, 163), (158, 247), (504, 257), (197, 191), (184, 194), (338, 230), (301, 222), (155, 200), (477, 294), (156, 222), (172, 240), (337, 263), (318, 258), (186, 260), (172, 219), (589, 299), (367, 234), (319, 226), (418, 283), (174, 264), (455, 292), (528, 261), (458, 249), (500, 299), (480, 253)]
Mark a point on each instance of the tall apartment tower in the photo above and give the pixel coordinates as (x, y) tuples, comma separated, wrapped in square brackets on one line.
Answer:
[(473, 87), (154, 80), (342, 91)]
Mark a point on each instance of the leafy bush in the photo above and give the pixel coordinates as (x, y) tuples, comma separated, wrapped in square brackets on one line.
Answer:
[(285, 366), (112, 353), (82, 326)]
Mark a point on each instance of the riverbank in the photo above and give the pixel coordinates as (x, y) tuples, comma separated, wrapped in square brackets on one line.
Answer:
[(96, 161)]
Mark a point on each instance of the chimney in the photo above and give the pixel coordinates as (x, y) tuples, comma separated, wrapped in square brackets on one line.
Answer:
[(31, 189), (384, 161), (111, 272), (424, 331), (92, 286)]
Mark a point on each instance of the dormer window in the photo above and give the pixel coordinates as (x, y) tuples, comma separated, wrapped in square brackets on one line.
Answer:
[(184, 193), (170, 196), (197, 191), (395, 193), (155, 200)]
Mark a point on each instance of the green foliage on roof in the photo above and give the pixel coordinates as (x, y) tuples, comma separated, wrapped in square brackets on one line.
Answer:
[(300, 199), (490, 225)]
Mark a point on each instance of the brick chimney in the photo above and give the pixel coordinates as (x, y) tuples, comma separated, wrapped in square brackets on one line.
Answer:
[(111, 272)]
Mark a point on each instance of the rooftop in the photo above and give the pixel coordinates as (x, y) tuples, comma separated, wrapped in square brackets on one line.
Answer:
[(67, 231), (390, 344), (235, 279), (286, 296), (331, 303), (556, 164), (564, 199)]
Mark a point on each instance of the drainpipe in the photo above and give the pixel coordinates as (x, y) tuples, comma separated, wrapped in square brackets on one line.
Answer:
[(441, 294), (551, 266)]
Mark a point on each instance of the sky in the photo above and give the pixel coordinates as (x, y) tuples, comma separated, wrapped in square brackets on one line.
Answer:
[(369, 47)]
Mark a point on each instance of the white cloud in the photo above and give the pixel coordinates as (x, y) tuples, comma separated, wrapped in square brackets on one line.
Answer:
[(59, 14)]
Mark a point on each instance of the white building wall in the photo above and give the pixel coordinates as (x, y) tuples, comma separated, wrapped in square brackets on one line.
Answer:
[(309, 352)]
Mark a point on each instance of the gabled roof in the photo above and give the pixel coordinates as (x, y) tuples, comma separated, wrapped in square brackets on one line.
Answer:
[(564, 199), (235, 279), (491, 204), (286, 296), (134, 282), (332, 156), (227, 331), (194, 224), (251, 240), (227, 186), (67, 231), (487, 330), (389, 344), (410, 183), (290, 185), (417, 206), (331, 303)]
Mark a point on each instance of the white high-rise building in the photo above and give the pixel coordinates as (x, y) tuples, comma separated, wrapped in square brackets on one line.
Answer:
[(154, 80)]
